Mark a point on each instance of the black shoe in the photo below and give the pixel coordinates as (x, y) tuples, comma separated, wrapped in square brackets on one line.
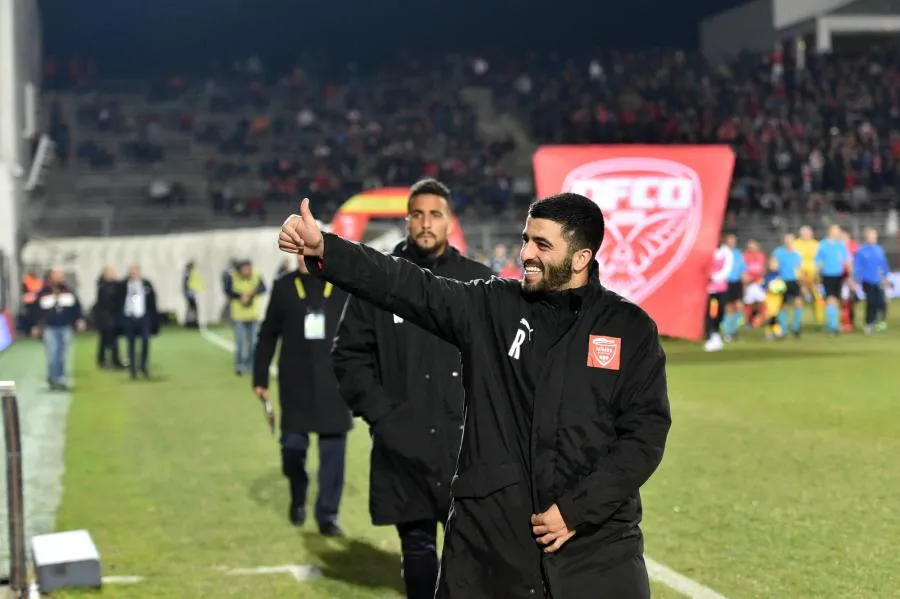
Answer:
[(331, 530), (297, 515)]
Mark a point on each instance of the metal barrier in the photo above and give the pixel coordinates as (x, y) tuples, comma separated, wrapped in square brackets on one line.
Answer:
[(15, 512)]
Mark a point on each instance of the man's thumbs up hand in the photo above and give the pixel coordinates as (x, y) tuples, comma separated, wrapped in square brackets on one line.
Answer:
[(300, 234)]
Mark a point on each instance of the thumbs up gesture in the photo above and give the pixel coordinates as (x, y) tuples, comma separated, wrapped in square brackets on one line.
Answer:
[(300, 233)]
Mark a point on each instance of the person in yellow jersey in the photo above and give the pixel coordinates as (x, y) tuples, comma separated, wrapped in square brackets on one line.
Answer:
[(807, 246), (245, 288), (775, 288)]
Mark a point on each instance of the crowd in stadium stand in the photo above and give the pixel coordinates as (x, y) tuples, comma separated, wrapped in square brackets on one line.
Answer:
[(817, 136)]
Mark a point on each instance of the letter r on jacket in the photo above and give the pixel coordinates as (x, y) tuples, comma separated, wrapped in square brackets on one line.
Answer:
[(516, 346)]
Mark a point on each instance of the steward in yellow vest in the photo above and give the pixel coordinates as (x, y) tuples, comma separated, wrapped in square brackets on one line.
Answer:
[(245, 288)]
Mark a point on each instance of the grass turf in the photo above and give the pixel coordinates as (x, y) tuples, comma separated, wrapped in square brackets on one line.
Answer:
[(779, 478)]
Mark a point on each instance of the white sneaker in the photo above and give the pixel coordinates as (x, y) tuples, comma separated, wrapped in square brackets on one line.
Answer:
[(714, 343)]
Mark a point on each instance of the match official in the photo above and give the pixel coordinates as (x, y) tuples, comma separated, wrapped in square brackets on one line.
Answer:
[(303, 312), (871, 270), (789, 264), (406, 384), (567, 409), (832, 260)]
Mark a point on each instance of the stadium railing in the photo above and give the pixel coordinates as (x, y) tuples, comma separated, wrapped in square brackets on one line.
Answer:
[(13, 567)]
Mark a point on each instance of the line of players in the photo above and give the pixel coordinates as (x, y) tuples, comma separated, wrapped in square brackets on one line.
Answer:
[(749, 289)]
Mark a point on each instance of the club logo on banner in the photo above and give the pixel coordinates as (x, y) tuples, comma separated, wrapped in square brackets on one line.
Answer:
[(663, 206)]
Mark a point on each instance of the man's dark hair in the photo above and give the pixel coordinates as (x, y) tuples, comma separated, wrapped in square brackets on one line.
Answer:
[(580, 218), (431, 187)]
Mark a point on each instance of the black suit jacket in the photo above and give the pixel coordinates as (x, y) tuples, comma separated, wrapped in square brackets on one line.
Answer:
[(150, 309)]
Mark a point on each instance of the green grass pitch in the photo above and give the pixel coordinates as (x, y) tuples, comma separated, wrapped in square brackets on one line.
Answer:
[(780, 479)]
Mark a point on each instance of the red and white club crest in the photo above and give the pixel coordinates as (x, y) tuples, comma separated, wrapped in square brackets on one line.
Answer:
[(603, 352), (653, 209)]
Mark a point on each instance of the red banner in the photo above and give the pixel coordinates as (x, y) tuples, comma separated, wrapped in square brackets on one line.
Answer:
[(664, 207)]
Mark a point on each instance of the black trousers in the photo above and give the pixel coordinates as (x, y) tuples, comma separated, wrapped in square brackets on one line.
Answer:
[(418, 544), (108, 345), (137, 328), (714, 314), (332, 454), (191, 319), (876, 304)]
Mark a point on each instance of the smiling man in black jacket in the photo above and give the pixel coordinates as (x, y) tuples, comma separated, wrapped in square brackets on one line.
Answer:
[(386, 365), (567, 409)]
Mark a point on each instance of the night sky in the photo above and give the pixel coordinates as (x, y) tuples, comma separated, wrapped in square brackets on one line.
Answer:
[(142, 36)]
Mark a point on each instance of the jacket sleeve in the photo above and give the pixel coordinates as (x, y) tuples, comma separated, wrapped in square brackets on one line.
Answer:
[(269, 332), (642, 426), (482, 271), (152, 308), (36, 312), (354, 363), (77, 310), (445, 307), (229, 288)]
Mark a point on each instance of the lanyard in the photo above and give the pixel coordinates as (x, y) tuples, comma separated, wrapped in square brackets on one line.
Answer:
[(301, 290)]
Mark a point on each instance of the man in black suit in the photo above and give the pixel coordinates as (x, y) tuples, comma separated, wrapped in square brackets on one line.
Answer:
[(303, 312), (106, 320), (140, 319), (407, 385)]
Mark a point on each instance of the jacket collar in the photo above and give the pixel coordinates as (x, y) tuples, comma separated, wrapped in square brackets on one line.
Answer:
[(409, 250)]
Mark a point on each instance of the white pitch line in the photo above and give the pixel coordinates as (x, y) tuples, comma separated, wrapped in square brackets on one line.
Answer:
[(301, 573), (679, 582), (227, 345), (657, 571), (122, 579), (35, 593)]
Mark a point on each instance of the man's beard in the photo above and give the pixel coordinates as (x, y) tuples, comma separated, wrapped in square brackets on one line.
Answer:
[(429, 251), (553, 276)]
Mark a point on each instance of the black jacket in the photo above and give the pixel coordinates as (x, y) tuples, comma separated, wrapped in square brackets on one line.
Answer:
[(405, 383), (56, 307), (151, 311), (106, 310), (566, 403), (310, 401)]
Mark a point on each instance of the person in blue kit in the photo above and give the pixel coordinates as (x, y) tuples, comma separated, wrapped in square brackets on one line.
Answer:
[(734, 295), (789, 263), (870, 269), (832, 259)]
